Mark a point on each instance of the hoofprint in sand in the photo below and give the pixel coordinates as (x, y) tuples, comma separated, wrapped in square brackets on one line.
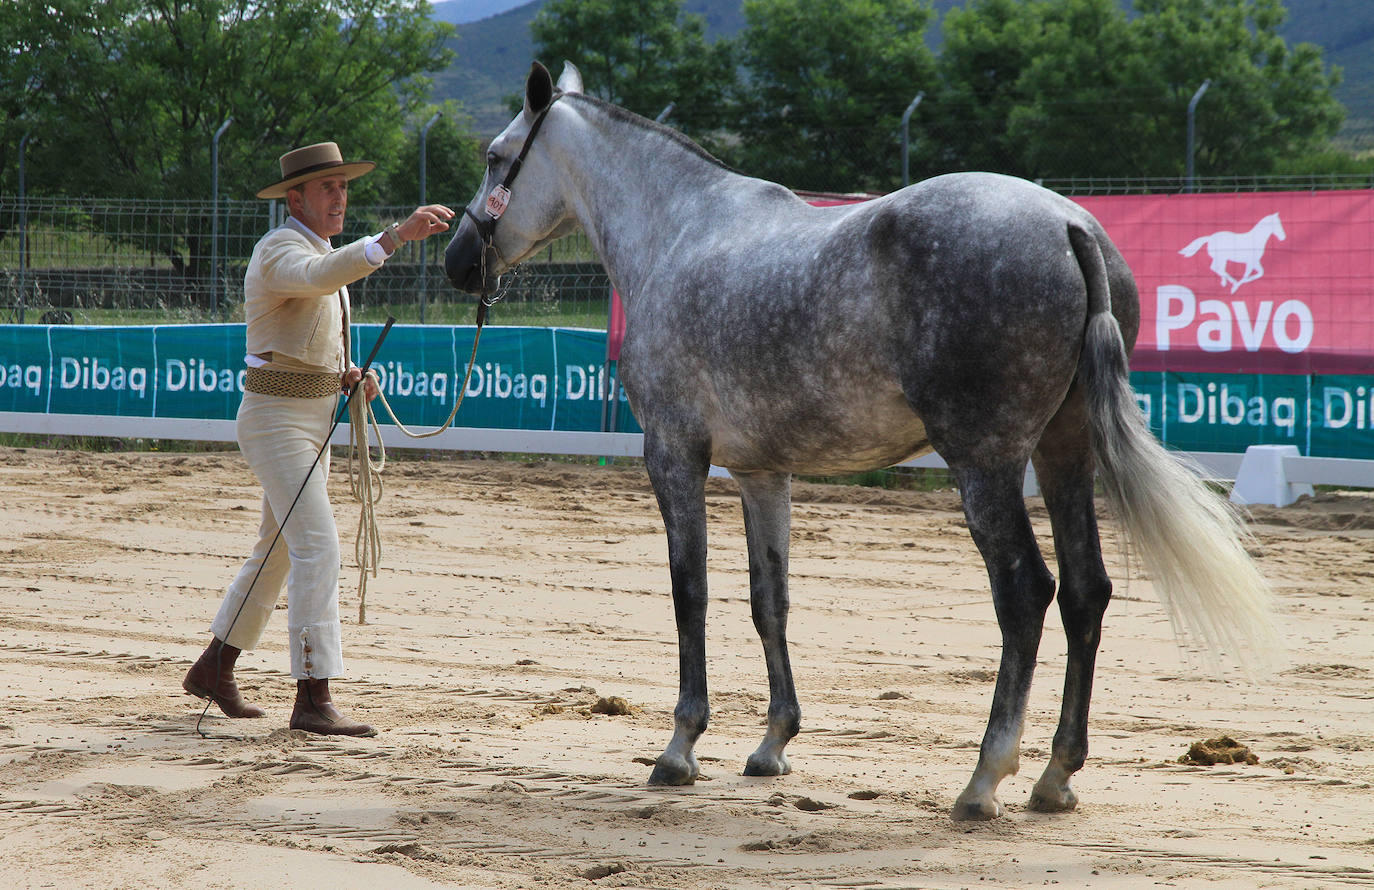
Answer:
[(514, 597)]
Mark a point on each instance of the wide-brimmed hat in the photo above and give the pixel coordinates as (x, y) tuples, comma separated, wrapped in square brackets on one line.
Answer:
[(312, 162)]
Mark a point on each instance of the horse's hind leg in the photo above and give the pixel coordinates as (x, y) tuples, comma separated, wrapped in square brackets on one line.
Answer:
[(1022, 588), (767, 499), (678, 475), (1064, 467)]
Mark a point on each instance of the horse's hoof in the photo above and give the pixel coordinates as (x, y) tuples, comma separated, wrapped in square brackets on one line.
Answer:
[(765, 765), (669, 770), (976, 810), (1058, 799)]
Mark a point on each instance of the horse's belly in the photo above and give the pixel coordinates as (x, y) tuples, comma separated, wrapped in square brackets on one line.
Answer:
[(869, 437)]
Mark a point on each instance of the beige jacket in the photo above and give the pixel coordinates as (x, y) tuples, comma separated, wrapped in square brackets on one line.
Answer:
[(296, 297)]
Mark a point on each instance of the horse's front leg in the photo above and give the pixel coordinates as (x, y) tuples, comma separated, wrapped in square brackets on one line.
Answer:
[(678, 475), (767, 499)]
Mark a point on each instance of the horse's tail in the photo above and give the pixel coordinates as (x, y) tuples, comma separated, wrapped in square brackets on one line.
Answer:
[(1190, 539), (1195, 245)]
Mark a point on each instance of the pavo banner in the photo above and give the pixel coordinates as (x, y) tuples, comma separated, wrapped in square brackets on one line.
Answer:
[(1263, 283)]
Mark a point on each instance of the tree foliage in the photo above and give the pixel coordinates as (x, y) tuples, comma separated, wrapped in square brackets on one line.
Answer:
[(826, 86), (123, 97), (1058, 88), (641, 55)]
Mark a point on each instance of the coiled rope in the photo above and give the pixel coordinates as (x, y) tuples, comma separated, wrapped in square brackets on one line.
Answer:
[(365, 471)]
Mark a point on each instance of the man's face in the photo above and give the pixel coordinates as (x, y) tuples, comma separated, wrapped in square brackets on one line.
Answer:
[(320, 204)]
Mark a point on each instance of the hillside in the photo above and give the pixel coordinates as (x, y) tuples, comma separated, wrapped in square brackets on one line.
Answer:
[(494, 53)]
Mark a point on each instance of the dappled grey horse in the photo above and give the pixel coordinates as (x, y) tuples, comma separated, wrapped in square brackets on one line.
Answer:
[(975, 314)]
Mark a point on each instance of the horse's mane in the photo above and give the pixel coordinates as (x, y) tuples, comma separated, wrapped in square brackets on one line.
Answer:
[(615, 112)]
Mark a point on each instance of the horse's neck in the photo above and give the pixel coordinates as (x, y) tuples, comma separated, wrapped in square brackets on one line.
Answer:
[(637, 193)]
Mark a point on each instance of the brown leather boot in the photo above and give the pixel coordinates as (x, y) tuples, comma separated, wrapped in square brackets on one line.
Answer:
[(212, 677), (315, 712)]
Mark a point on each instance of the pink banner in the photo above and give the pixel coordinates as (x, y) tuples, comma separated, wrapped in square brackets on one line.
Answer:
[(1271, 282)]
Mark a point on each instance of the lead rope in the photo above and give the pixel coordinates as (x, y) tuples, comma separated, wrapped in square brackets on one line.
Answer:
[(365, 477), (366, 481)]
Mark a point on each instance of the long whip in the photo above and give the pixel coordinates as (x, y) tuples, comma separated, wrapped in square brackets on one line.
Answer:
[(338, 418)]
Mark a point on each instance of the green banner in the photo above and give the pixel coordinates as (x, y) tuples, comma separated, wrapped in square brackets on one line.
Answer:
[(556, 379), (1224, 412), (523, 378)]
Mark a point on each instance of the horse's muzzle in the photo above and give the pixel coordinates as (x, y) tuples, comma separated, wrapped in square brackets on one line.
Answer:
[(463, 260)]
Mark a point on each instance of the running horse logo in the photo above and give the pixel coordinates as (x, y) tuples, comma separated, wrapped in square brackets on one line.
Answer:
[(1246, 248)]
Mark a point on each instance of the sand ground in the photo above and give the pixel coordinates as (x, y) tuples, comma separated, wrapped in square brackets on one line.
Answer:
[(513, 596)]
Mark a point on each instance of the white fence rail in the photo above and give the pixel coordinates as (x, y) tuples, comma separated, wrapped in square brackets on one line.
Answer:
[(1264, 474)]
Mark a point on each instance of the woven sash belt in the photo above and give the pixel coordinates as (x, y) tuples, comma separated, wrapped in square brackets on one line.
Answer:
[(268, 382)]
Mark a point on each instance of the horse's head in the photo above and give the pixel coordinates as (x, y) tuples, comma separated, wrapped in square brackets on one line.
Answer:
[(507, 220), (1273, 226)]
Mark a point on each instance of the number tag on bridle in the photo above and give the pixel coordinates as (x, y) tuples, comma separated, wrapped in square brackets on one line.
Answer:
[(497, 201)]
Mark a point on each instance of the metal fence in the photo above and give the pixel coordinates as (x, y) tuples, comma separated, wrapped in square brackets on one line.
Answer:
[(94, 261), (130, 261)]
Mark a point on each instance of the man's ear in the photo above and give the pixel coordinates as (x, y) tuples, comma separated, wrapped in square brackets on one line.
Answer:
[(538, 90)]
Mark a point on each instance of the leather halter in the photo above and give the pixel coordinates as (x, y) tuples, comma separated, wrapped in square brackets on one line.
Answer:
[(499, 196)]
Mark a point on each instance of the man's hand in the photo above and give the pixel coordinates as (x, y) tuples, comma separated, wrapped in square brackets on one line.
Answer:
[(370, 388), (425, 221)]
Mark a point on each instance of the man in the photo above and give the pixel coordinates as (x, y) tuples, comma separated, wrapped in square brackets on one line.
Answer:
[(297, 314)]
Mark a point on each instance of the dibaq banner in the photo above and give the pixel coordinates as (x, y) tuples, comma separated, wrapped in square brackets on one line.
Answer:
[(523, 377)]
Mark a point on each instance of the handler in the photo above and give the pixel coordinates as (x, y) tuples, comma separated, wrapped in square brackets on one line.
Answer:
[(297, 313)]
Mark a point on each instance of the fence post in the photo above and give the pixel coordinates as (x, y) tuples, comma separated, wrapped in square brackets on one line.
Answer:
[(214, 214), (23, 233), (906, 142), (1192, 113), (424, 265)]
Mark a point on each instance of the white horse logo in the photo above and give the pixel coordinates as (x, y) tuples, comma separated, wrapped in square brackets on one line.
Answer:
[(1246, 248)]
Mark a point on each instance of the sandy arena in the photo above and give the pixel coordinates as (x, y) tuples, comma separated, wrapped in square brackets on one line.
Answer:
[(513, 597)]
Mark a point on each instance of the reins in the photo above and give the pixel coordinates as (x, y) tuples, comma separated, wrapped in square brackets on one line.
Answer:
[(366, 481)]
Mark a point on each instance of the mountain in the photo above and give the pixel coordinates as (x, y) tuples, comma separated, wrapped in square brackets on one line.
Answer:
[(494, 53), (493, 57), (461, 12)]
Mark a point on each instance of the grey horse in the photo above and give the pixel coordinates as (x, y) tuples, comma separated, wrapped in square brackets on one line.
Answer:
[(977, 315)]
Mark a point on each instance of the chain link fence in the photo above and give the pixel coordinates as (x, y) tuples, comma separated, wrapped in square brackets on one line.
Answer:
[(93, 261)]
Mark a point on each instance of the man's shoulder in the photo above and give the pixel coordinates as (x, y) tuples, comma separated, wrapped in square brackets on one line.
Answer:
[(284, 233)]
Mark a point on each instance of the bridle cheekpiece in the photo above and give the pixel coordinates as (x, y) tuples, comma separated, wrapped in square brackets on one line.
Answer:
[(499, 198)]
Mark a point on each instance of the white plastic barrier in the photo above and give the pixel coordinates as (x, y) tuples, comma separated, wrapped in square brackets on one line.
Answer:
[(1279, 475), (1264, 474)]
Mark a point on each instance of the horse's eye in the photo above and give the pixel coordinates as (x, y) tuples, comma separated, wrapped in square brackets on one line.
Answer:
[(492, 159)]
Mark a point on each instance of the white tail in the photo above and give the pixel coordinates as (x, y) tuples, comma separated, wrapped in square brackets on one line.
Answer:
[(1195, 246), (1192, 540)]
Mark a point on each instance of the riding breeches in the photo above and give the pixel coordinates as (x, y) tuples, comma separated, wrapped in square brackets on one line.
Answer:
[(280, 437)]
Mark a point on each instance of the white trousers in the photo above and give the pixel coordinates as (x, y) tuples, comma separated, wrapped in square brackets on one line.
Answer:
[(280, 436)]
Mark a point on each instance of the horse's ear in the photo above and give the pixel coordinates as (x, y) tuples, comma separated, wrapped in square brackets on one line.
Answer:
[(570, 81), (538, 90)]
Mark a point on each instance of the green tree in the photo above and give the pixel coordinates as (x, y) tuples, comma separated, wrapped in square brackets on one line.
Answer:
[(826, 87), (1268, 103), (454, 161), (642, 55), (123, 96), (1059, 88)]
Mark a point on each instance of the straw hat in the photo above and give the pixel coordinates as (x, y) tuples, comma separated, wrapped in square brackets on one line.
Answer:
[(311, 162)]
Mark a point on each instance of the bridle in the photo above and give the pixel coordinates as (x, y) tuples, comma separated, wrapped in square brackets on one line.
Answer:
[(496, 204)]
